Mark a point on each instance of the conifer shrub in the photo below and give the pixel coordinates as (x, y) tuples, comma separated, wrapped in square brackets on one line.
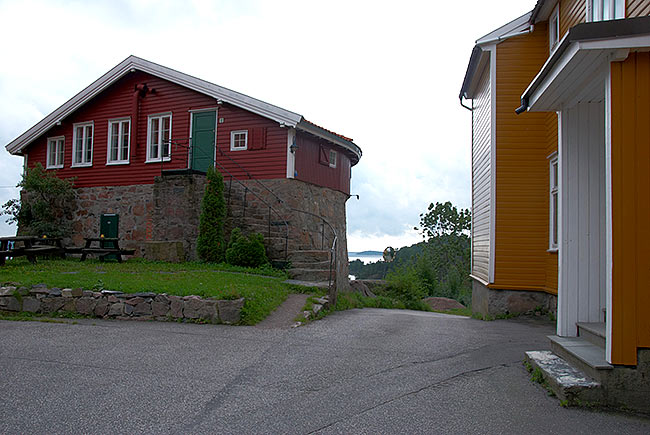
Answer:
[(246, 251), (210, 245)]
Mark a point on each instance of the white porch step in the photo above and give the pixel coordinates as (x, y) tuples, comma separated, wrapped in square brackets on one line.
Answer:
[(566, 381), (593, 332)]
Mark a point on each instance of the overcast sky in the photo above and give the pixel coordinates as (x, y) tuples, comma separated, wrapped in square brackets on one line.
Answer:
[(385, 73)]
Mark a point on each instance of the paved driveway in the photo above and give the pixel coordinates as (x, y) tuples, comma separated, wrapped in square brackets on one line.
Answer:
[(361, 371)]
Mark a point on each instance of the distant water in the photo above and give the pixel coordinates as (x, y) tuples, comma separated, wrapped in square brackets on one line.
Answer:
[(365, 258)]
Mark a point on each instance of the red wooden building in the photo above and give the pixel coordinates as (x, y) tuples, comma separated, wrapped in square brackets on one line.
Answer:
[(141, 122)]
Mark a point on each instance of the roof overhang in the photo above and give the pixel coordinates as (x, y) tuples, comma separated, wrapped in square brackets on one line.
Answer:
[(576, 70), (322, 133), (542, 10), (480, 53), (132, 63)]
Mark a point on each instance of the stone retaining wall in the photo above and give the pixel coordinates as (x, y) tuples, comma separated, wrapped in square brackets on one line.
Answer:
[(119, 305)]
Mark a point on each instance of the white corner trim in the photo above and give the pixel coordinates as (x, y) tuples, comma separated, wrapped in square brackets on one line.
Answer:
[(493, 160), (291, 157), (608, 217)]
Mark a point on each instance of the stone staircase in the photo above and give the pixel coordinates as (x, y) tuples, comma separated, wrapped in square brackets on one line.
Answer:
[(306, 262), (577, 372)]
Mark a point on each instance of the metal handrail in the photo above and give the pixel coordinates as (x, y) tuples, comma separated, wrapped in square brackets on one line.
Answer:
[(250, 177)]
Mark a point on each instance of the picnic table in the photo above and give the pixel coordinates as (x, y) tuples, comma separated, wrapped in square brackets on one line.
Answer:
[(31, 247), (105, 246)]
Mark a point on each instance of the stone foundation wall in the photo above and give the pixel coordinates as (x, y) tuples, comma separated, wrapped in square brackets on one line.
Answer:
[(115, 304), (492, 302)]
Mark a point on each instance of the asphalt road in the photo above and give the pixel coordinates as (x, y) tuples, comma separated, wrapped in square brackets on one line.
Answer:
[(360, 371)]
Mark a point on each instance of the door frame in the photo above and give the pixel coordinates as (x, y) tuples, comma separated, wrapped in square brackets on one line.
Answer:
[(216, 122)]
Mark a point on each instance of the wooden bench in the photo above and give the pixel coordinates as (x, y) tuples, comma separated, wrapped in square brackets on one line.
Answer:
[(102, 251), (32, 247)]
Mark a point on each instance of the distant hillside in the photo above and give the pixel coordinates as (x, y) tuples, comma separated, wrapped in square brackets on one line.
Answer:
[(365, 253), (377, 270)]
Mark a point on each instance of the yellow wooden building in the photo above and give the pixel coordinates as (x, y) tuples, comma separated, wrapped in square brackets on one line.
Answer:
[(560, 102)]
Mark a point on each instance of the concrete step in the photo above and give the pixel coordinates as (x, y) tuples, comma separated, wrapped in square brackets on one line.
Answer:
[(315, 275), (566, 381), (582, 354), (309, 255), (593, 332)]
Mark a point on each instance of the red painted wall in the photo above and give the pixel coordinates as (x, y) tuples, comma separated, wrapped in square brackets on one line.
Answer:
[(269, 161), (310, 168)]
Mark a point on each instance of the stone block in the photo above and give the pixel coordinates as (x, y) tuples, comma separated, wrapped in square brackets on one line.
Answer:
[(134, 301), (23, 291), (112, 299), (85, 305), (160, 309), (10, 303), (230, 311), (142, 309), (77, 292), (31, 305), (66, 292), (101, 309), (39, 290), (51, 305), (173, 251), (128, 309), (116, 309), (176, 307), (162, 298), (7, 291), (87, 294), (191, 308), (208, 311), (55, 292), (69, 305)]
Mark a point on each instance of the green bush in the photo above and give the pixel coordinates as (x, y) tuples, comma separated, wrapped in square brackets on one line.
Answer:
[(210, 244), (246, 251), (45, 206), (405, 286)]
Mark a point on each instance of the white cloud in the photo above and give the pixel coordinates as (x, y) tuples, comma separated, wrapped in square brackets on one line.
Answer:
[(384, 73)]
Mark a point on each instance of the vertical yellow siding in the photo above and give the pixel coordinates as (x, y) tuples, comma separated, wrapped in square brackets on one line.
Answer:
[(572, 12), (630, 207), (637, 8), (522, 142)]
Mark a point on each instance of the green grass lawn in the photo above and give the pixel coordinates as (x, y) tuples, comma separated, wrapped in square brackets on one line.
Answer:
[(262, 288)]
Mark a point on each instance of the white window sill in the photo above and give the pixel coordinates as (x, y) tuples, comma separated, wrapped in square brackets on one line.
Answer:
[(54, 167), (552, 250), (125, 162), (81, 165), (166, 159), (333, 166), (238, 149)]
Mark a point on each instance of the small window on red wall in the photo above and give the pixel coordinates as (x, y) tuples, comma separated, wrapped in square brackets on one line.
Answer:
[(333, 157)]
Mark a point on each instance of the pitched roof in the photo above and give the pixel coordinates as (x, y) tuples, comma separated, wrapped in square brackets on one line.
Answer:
[(278, 114)]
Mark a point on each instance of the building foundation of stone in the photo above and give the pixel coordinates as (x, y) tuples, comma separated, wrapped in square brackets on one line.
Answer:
[(493, 302)]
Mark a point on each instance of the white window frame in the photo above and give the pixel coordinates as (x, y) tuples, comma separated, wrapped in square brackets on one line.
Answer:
[(604, 10), (232, 140), (86, 146), (59, 156), (120, 137), (554, 29), (159, 157), (333, 158), (553, 202)]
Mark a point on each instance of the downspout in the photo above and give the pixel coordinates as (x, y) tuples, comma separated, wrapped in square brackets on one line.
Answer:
[(460, 97), (524, 106), (140, 91)]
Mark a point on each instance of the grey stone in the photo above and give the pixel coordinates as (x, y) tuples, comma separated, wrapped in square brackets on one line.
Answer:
[(55, 292), (23, 291), (69, 305), (134, 301), (112, 299), (116, 309), (145, 295), (77, 292), (491, 302), (10, 303), (85, 305), (97, 295), (208, 310), (142, 309), (176, 307), (31, 305), (66, 292), (162, 298), (51, 305), (230, 311), (7, 291), (101, 308), (39, 290), (87, 293), (159, 309), (191, 308), (316, 308), (128, 309)]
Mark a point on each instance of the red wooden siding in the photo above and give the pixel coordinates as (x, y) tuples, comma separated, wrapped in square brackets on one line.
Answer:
[(312, 169), (117, 101)]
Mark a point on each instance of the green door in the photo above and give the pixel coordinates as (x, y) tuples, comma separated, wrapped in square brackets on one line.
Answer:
[(203, 134), (109, 227)]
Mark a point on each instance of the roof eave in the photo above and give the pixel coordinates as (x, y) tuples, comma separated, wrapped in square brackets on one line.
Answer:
[(331, 137)]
